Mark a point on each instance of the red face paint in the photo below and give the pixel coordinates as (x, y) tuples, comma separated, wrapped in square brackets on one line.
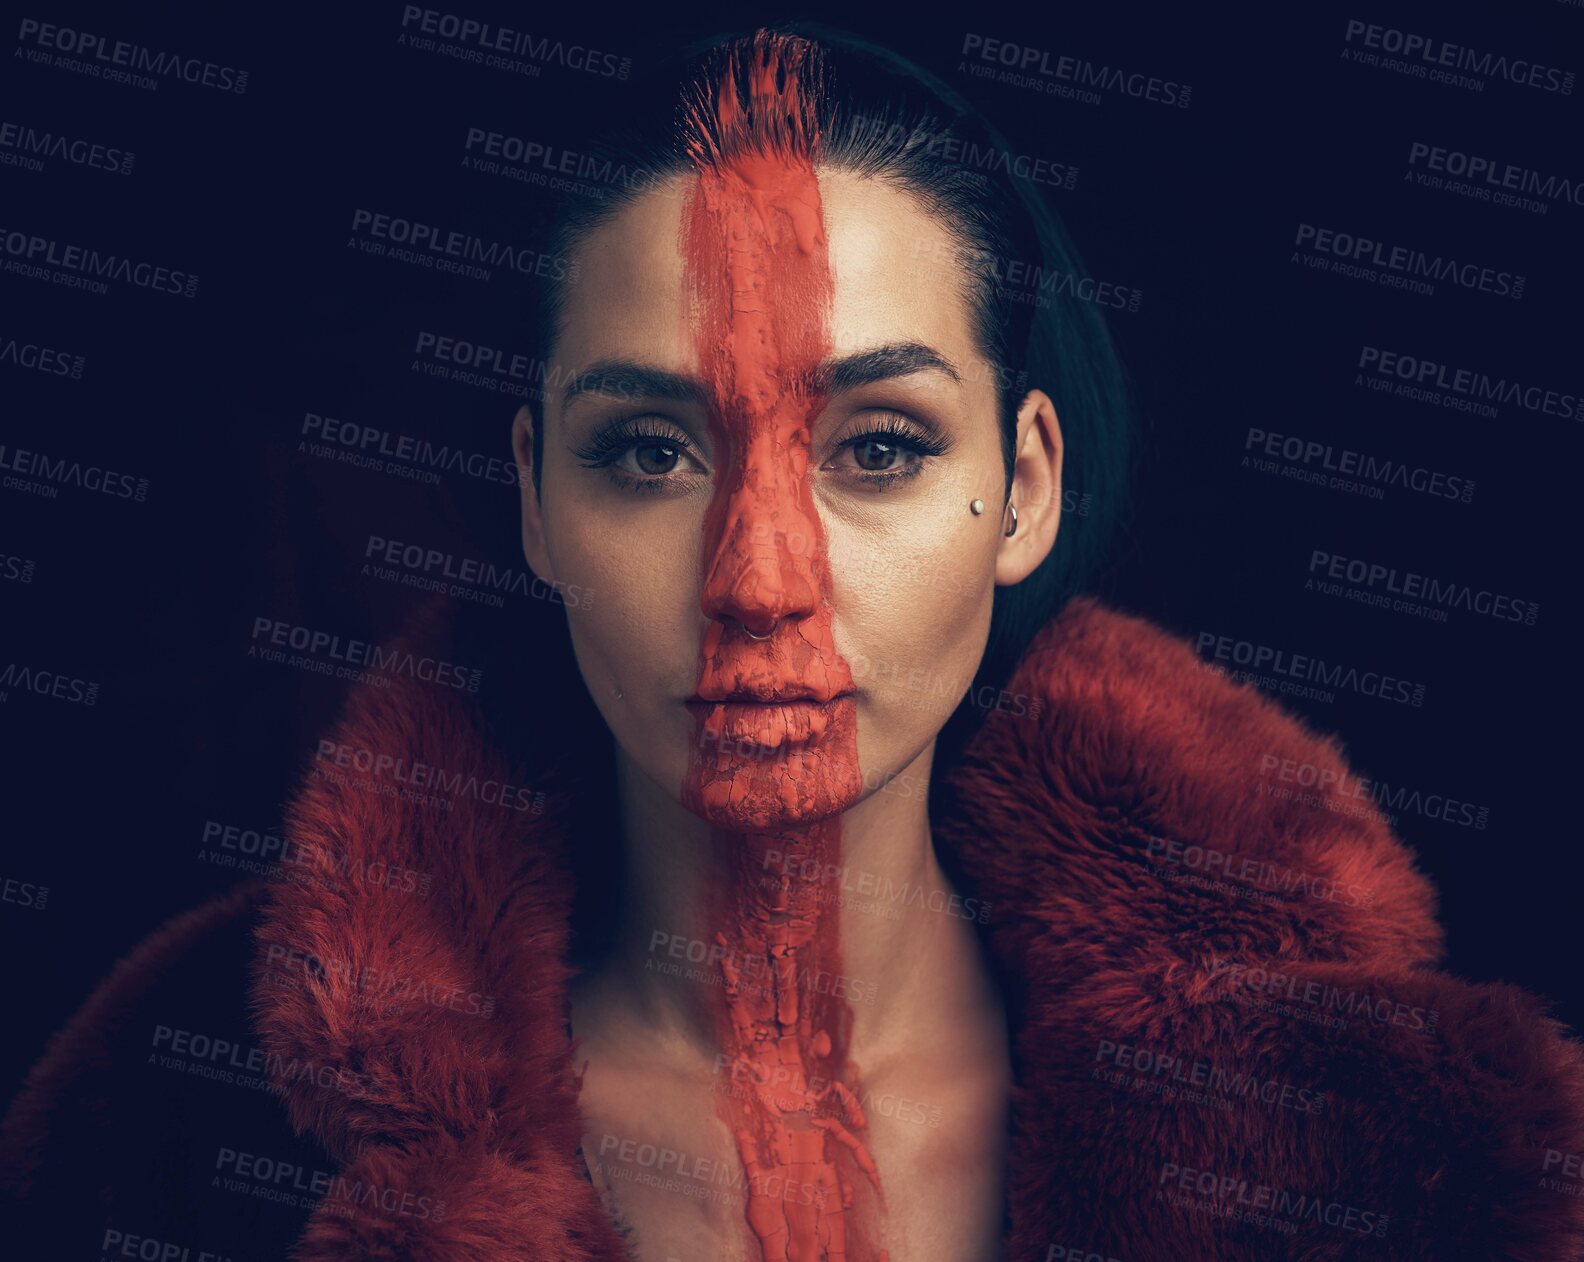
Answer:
[(773, 778)]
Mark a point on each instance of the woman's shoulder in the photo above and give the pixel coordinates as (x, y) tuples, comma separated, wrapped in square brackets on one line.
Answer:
[(151, 1114), (1131, 770), (1227, 967)]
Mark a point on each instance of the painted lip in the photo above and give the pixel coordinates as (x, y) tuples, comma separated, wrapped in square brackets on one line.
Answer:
[(764, 724), (768, 694)]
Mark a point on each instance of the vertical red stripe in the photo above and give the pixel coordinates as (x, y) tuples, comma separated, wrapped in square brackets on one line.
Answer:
[(754, 245)]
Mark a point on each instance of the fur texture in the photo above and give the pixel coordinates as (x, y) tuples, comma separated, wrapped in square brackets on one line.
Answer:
[(1160, 909)]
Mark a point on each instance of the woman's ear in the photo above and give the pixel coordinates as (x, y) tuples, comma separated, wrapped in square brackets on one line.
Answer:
[(533, 539), (1036, 491)]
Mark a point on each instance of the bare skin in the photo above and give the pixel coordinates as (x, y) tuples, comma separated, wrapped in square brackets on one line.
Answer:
[(911, 578)]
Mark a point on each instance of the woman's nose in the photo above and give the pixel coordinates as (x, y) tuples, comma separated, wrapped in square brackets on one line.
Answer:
[(764, 565)]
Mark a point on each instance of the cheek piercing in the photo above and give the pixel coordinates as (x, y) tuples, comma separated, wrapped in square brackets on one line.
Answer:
[(976, 507), (616, 691)]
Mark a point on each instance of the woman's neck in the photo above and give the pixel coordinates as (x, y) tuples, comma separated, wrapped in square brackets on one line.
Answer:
[(874, 920), (800, 972)]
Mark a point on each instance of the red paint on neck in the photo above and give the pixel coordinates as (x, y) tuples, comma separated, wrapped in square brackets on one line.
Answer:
[(773, 782)]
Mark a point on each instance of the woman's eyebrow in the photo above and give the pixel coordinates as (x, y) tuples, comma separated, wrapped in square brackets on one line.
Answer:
[(879, 363), (631, 379)]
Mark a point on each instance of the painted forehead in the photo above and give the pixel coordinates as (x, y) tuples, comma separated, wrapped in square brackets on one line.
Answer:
[(860, 264), (636, 298)]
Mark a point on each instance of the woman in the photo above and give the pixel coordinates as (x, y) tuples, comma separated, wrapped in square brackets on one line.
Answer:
[(751, 976)]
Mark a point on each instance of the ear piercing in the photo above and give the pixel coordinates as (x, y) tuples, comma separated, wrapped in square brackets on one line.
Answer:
[(976, 507)]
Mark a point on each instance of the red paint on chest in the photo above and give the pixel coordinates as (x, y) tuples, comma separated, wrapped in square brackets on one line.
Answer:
[(773, 779)]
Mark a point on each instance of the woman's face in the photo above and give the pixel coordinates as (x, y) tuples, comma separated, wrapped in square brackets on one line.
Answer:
[(841, 530)]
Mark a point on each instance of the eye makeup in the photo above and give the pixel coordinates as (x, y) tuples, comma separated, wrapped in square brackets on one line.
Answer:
[(888, 434), (647, 438), (645, 452)]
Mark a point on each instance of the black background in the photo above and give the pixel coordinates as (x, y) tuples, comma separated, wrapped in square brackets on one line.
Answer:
[(1195, 207)]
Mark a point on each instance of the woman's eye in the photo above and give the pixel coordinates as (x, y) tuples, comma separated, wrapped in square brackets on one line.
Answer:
[(874, 455), (884, 458), (651, 457)]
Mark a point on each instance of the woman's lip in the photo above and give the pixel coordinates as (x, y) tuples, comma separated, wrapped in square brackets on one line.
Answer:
[(743, 698), (764, 724)]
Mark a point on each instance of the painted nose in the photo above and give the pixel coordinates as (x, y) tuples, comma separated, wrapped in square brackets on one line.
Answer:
[(763, 565)]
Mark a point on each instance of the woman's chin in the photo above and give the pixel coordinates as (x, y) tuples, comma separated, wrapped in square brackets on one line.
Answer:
[(782, 788)]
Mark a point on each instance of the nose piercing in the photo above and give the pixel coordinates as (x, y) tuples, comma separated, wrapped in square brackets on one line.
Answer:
[(759, 638), (1012, 529), (976, 507)]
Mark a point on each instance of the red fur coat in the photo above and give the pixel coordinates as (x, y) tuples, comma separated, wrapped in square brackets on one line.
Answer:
[(1230, 1039)]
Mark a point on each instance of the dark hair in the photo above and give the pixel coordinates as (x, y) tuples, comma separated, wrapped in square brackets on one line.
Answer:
[(883, 117)]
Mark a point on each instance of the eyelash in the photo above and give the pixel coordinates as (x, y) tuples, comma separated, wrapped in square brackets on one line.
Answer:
[(896, 430), (610, 444)]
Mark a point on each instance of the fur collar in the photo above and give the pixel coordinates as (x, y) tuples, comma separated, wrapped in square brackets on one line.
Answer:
[(1155, 893)]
